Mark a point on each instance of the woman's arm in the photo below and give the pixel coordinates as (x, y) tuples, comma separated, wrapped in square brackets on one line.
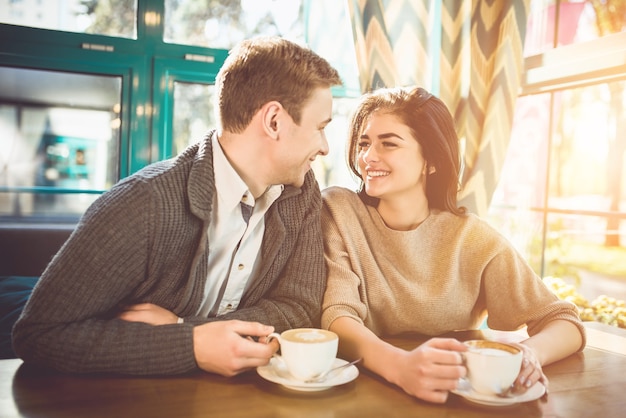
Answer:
[(428, 372), (557, 340)]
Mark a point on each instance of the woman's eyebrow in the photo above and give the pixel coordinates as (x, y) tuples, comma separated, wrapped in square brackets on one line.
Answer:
[(383, 136)]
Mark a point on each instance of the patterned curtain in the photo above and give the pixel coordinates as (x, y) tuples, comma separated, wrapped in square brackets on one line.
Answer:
[(475, 47)]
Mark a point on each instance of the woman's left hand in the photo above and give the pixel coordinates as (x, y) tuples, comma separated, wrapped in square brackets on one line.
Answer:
[(530, 373)]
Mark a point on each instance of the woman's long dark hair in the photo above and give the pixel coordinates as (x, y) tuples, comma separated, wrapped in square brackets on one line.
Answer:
[(431, 124)]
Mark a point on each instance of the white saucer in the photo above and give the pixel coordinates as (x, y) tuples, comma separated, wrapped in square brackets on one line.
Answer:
[(534, 392), (276, 372)]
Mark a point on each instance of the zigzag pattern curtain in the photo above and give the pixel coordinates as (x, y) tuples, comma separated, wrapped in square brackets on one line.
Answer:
[(479, 60)]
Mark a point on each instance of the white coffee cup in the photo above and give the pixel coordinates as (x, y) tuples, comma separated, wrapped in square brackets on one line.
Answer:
[(492, 366), (306, 352)]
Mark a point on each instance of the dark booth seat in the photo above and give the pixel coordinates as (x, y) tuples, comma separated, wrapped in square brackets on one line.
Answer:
[(25, 251)]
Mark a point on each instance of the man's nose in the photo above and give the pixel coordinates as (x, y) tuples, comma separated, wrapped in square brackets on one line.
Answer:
[(324, 149)]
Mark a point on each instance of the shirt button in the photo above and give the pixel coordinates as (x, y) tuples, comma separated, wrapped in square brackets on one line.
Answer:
[(240, 266), (244, 198)]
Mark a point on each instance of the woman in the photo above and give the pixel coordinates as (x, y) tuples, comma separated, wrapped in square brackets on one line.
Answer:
[(402, 257)]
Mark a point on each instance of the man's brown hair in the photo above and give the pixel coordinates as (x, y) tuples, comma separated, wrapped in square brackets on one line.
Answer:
[(264, 69)]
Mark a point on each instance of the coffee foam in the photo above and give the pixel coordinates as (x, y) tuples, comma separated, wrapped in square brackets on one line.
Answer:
[(309, 335), (492, 347)]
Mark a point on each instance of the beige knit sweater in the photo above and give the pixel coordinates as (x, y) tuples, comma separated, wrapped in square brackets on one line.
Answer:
[(445, 275)]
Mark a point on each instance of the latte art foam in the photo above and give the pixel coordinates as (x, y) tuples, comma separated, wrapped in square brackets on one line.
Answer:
[(308, 335), (493, 352)]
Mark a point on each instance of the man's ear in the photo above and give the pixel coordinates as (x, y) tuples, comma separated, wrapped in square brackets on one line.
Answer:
[(270, 116)]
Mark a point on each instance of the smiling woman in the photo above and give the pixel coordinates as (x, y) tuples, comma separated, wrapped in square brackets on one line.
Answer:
[(401, 249)]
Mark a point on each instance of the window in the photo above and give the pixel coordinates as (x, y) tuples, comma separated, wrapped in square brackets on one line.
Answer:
[(561, 197), (574, 21), (223, 24), (59, 132), (103, 17), (193, 113)]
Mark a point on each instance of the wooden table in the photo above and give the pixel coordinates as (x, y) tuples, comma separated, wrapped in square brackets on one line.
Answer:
[(589, 384)]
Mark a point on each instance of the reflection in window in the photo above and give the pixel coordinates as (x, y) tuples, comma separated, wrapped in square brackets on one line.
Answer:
[(59, 135), (101, 17)]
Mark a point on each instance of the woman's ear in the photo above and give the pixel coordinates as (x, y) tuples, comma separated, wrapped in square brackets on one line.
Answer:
[(432, 169)]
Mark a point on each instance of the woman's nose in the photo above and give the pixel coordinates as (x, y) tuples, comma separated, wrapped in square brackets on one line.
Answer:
[(370, 155)]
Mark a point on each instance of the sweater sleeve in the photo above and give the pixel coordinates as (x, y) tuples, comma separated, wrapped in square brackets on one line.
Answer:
[(516, 296), (343, 288), (69, 322)]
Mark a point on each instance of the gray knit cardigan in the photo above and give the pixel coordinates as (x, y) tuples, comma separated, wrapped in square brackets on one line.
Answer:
[(145, 240)]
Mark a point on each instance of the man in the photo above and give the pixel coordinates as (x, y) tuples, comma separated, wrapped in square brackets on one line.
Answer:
[(190, 262)]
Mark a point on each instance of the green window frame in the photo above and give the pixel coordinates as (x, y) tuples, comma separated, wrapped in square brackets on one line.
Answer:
[(146, 65)]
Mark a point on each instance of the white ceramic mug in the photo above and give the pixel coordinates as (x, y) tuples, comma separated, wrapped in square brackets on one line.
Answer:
[(492, 366), (306, 352)]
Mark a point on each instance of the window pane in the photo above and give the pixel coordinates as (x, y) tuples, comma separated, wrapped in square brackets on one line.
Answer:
[(524, 229), (527, 153), (332, 169), (575, 252), (102, 17), (194, 113), (336, 45), (59, 135), (585, 227), (222, 24), (587, 167), (522, 184), (578, 21)]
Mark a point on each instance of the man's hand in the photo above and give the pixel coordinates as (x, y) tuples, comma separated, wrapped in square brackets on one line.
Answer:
[(228, 347), (148, 313)]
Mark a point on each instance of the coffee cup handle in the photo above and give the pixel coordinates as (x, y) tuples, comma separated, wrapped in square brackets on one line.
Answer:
[(268, 339), (273, 335)]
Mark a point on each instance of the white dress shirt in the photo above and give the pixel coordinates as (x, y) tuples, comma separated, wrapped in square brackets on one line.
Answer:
[(234, 246)]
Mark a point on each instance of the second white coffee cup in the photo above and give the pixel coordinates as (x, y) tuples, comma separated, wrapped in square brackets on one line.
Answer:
[(492, 366), (306, 352)]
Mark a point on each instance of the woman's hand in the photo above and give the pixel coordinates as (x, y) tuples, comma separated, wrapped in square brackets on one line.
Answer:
[(148, 313), (531, 371), (431, 370)]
